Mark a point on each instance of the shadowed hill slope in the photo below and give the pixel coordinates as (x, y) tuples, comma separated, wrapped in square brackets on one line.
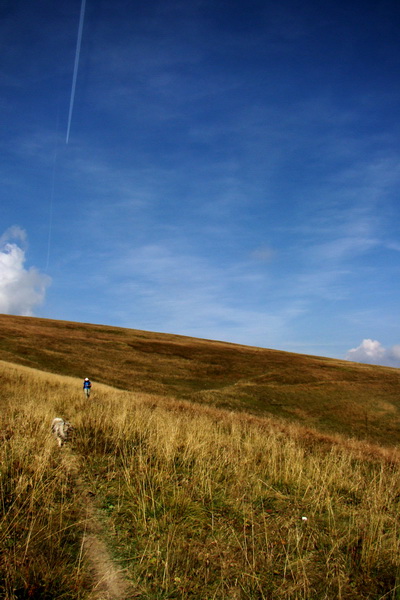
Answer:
[(327, 394)]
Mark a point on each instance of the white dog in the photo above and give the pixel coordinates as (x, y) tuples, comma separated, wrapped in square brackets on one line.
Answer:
[(62, 430)]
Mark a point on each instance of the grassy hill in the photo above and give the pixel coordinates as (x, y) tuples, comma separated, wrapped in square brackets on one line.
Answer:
[(185, 501), (331, 395)]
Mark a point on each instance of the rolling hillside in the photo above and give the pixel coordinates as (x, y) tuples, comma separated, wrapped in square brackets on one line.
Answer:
[(158, 497), (165, 499), (330, 395)]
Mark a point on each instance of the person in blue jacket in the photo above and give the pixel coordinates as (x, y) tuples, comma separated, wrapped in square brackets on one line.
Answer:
[(87, 386)]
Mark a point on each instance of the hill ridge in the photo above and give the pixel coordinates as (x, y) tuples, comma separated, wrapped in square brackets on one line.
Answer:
[(328, 394)]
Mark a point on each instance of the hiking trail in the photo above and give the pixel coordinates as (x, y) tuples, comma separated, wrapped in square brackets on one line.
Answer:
[(108, 581)]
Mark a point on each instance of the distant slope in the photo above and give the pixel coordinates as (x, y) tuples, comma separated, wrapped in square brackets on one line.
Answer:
[(330, 395)]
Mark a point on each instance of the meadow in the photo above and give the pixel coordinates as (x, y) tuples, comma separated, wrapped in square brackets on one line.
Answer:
[(191, 500), (357, 400)]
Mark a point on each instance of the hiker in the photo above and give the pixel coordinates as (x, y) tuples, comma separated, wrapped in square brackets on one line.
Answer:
[(86, 386)]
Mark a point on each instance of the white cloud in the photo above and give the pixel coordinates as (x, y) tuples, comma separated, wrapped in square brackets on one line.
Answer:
[(372, 352), (21, 289)]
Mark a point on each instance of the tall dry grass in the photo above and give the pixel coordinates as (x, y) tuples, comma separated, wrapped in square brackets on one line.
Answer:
[(40, 530), (195, 502), (207, 504)]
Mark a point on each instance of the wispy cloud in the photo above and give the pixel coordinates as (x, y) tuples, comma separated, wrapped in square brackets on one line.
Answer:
[(21, 289), (174, 291)]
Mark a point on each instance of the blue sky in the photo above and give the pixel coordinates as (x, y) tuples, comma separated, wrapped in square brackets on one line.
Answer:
[(232, 170)]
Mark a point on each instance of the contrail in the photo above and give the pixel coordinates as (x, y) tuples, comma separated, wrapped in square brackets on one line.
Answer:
[(76, 65)]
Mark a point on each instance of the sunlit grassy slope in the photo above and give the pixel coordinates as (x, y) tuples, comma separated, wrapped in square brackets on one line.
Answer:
[(330, 395), (193, 502)]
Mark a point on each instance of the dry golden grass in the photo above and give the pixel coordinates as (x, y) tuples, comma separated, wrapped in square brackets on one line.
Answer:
[(39, 526), (194, 501), (357, 400)]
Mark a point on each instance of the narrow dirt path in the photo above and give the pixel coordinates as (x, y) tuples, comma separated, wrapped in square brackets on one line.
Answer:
[(108, 581)]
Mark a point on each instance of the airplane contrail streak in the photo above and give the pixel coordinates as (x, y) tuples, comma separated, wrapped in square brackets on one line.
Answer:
[(76, 65)]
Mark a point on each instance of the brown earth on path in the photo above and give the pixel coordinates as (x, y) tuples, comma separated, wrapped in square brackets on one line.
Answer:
[(107, 579)]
